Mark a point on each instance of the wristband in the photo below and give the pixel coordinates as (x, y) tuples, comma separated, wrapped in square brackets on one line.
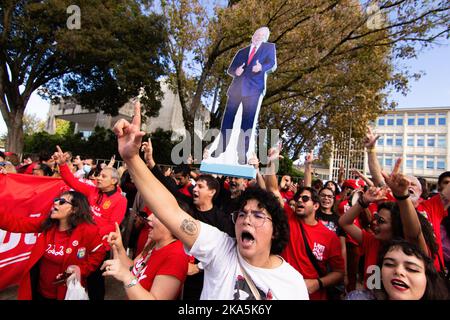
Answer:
[(371, 150), (320, 284), (401, 197)]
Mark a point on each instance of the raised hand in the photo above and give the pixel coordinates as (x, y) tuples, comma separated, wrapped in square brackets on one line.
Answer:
[(374, 194), (254, 161), (115, 268), (129, 135), (115, 238), (257, 67), (396, 181), (240, 70), (59, 156), (370, 139), (309, 158), (147, 148)]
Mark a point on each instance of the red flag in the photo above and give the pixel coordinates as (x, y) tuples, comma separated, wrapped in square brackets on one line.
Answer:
[(26, 196)]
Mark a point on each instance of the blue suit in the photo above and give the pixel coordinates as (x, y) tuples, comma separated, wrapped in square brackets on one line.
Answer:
[(248, 89)]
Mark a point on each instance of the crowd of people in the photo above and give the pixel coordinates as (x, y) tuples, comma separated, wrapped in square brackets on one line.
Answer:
[(181, 234)]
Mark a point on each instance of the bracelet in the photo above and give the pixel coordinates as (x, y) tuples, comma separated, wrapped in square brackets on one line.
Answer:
[(362, 203), (132, 283), (371, 150), (320, 284), (401, 197)]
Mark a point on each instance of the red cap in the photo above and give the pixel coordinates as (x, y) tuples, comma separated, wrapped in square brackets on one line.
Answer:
[(351, 184), (8, 153)]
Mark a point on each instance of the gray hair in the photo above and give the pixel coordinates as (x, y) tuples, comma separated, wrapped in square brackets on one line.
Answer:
[(267, 31)]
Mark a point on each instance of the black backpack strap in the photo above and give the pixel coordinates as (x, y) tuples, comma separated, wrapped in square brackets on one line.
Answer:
[(311, 256)]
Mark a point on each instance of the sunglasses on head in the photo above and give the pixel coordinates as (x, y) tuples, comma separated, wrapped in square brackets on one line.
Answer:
[(62, 201)]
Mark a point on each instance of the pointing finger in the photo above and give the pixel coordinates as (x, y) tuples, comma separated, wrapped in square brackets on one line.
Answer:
[(137, 114), (397, 166), (59, 149)]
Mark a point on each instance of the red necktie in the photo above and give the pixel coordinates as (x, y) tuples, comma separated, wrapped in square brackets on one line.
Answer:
[(250, 57)]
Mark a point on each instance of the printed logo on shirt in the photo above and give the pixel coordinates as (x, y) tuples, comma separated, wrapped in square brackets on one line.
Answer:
[(107, 204), (96, 211), (318, 251), (68, 250), (242, 291), (139, 269), (51, 249), (75, 243), (81, 253), (330, 225)]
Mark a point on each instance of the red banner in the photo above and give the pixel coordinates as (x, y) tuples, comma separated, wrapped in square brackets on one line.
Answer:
[(24, 196)]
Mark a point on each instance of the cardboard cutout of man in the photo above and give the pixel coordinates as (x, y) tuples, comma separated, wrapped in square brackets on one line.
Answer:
[(249, 70)]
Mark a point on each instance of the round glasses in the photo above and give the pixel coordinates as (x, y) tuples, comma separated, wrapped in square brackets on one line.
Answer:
[(256, 217)]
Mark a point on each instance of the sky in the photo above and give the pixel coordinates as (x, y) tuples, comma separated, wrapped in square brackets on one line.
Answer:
[(431, 90)]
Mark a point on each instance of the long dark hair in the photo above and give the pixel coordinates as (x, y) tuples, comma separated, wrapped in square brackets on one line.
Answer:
[(81, 212), (397, 227), (436, 288)]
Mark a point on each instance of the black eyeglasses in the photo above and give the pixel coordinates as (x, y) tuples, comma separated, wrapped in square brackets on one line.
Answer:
[(256, 217), (379, 219), (62, 201), (304, 198), (329, 196)]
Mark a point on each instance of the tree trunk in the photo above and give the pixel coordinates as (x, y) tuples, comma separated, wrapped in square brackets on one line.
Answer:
[(14, 140)]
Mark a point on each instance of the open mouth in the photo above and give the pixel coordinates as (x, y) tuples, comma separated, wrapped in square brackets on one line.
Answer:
[(399, 285), (247, 238)]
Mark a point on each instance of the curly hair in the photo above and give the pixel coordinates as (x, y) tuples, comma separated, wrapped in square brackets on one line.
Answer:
[(270, 202), (436, 288), (81, 212)]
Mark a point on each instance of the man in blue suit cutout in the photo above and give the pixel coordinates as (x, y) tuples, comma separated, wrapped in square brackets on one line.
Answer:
[(249, 70)]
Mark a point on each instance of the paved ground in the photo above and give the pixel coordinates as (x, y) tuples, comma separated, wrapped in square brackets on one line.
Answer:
[(114, 291)]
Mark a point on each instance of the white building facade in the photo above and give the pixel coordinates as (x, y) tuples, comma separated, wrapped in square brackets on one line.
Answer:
[(419, 136)]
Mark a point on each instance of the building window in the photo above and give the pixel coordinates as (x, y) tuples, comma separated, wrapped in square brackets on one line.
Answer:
[(399, 142), (442, 121), (389, 141), (431, 121), (430, 164), (421, 121), (410, 141), (381, 122), (380, 142), (441, 142), (440, 164), (390, 122), (420, 141), (419, 163), (399, 121), (409, 163), (388, 162), (431, 142), (411, 121)]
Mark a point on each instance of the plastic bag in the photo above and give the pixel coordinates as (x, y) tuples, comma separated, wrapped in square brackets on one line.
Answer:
[(75, 291)]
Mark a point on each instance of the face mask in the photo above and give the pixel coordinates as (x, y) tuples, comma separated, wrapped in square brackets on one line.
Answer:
[(86, 168)]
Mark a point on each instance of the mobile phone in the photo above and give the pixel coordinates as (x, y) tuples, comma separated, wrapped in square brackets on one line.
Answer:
[(62, 279)]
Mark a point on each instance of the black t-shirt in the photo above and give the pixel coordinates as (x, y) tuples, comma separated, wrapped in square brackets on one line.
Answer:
[(331, 222)]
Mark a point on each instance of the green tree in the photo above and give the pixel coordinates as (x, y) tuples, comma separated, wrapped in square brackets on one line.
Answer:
[(120, 47), (31, 124), (335, 61)]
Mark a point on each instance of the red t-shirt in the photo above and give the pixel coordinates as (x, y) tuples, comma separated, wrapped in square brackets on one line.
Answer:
[(287, 195), (324, 244), (186, 190), (433, 210), (370, 247), (169, 260), (52, 262)]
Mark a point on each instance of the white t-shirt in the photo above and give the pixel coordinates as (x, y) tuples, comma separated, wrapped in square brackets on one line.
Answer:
[(223, 278)]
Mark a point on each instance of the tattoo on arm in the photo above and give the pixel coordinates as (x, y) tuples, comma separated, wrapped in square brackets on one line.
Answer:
[(189, 227)]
